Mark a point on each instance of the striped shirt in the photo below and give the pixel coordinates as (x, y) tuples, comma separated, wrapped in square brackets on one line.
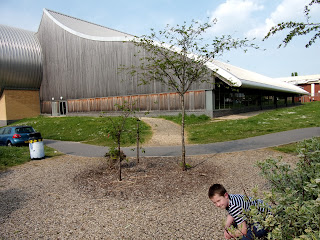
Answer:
[(240, 204)]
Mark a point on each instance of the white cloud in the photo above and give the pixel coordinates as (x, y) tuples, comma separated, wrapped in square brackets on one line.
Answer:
[(235, 14), (287, 10)]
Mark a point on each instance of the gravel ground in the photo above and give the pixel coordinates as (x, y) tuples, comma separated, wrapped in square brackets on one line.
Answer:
[(64, 197), (163, 132), (69, 197)]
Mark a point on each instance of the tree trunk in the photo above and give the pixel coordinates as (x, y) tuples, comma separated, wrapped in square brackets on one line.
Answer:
[(138, 139), (183, 156), (119, 157)]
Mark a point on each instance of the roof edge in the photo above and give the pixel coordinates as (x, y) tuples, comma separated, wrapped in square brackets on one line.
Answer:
[(226, 76), (94, 38)]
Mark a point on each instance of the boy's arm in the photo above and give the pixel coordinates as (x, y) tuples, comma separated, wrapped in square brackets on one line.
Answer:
[(229, 221), (242, 228)]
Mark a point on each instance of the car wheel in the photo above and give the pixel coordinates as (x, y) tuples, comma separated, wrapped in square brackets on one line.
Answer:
[(9, 144)]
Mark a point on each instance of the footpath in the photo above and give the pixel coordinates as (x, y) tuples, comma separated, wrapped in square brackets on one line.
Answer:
[(265, 141)]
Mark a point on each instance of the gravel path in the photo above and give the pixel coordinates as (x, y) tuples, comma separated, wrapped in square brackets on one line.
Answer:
[(40, 200), (164, 132)]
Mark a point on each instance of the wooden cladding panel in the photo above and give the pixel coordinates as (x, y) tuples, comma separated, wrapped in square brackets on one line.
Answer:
[(153, 102), (78, 68)]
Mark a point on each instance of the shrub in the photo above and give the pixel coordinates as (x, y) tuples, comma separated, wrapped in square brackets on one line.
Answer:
[(295, 195), (113, 156)]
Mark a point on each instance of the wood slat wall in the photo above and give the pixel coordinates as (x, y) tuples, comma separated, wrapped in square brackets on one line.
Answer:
[(78, 68), (195, 100)]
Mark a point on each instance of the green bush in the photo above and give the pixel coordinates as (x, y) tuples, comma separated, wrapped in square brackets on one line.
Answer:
[(295, 195)]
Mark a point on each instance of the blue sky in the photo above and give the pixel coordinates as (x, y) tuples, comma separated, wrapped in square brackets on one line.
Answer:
[(240, 18)]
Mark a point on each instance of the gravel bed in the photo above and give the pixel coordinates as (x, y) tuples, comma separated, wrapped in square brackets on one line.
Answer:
[(51, 199)]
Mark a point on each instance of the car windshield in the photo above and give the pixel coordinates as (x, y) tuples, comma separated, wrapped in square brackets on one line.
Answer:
[(24, 130)]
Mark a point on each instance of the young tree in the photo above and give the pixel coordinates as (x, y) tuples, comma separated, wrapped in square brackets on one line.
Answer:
[(298, 28), (177, 57), (118, 127)]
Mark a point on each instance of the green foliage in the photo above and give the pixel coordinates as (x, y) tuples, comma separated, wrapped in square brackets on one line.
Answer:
[(187, 166), (113, 156), (118, 127), (113, 153), (298, 28), (295, 195)]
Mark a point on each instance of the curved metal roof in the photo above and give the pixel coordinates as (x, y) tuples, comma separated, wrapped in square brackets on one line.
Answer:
[(248, 79), (86, 29), (20, 59)]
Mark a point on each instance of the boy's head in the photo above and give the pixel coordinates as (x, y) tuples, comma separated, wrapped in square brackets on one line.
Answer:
[(219, 196)]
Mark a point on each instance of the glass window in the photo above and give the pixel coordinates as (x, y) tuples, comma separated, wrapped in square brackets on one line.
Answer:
[(24, 130)]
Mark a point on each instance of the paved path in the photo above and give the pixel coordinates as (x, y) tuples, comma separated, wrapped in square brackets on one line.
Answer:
[(269, 140)]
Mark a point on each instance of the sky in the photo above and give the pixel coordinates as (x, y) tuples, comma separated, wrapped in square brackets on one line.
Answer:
[(240, 18)]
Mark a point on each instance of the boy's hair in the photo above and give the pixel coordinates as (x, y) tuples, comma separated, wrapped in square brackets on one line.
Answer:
[(216, 189)]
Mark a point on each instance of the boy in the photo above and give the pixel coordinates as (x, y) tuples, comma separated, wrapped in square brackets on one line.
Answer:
[(236, 206)]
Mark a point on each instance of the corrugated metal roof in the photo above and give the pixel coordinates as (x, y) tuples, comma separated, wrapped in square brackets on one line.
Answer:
[(301, 79), (20, 59), (85, 29)]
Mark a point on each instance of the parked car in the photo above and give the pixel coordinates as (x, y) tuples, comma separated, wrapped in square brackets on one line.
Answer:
[(15, 135)]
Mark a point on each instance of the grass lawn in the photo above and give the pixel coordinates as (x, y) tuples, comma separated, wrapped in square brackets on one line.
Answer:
[(203, 130), (12, 156), (90, 130)]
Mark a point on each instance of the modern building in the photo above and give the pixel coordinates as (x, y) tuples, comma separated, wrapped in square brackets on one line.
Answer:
[(310, 83), (71, 66)]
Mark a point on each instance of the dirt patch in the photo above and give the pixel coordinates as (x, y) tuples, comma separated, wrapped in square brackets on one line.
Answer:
[(162, 177), (152, 178), (238, 116)]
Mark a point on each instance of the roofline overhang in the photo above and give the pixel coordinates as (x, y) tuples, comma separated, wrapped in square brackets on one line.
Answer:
[(225, 76), (264, 86), (89, 37)]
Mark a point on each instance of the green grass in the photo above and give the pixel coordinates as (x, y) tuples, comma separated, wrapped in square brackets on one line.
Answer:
[(90, 130), (273, 121), (189, 119), (94, 130), (289, 148), (12, 156), (200, 129)]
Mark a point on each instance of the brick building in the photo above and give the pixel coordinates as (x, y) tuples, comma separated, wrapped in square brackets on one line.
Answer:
[(310, 83)]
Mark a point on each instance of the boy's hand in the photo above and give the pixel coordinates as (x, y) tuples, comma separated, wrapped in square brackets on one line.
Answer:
[(227, 234)]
